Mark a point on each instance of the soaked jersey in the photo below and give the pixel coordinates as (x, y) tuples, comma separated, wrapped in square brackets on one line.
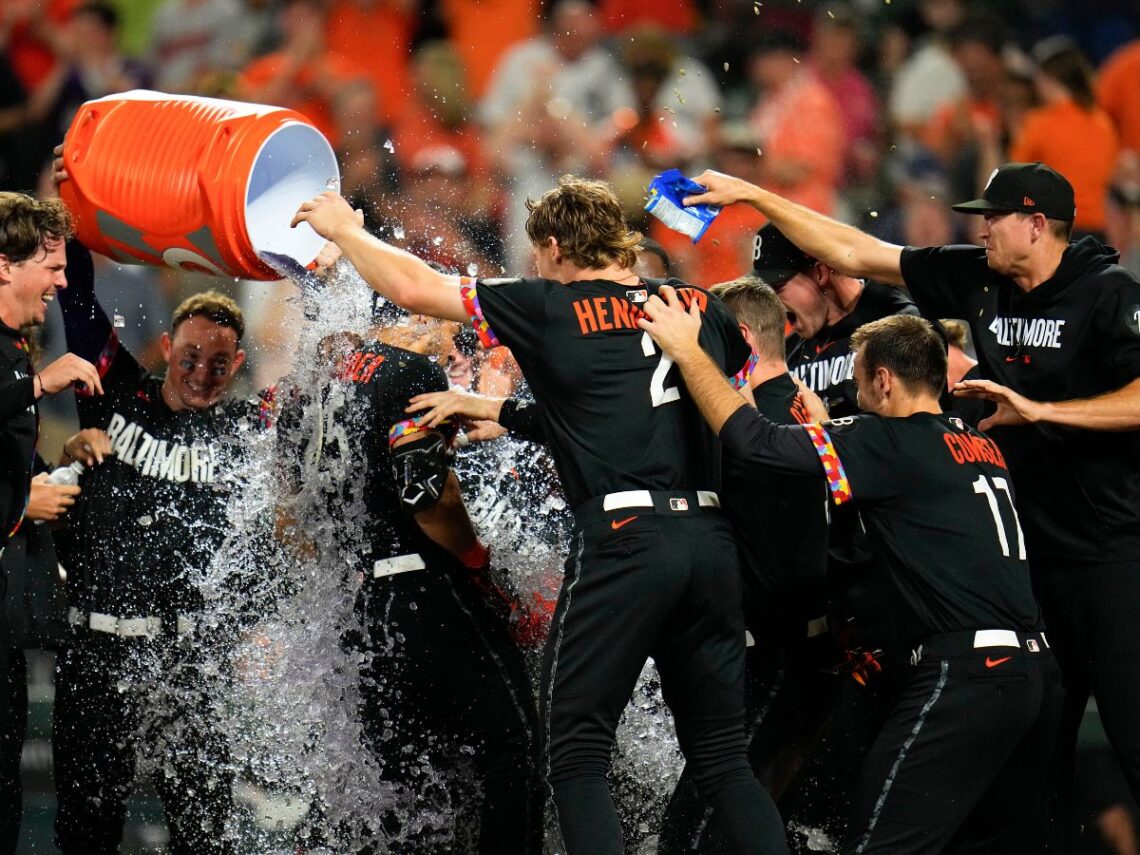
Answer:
[(938, 503), (152, 516), (614, 410), (1076, 335), (826, 363), (339, 437)]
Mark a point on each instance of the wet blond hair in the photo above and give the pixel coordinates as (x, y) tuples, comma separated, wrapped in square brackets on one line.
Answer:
[(586, 219)]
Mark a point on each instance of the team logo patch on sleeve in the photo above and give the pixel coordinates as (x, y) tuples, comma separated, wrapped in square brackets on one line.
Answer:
[(837, 481), (470, 295), (1132, 319)]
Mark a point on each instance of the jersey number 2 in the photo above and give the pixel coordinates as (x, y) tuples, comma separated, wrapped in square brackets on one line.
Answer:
[(982, 487), (659, 393)]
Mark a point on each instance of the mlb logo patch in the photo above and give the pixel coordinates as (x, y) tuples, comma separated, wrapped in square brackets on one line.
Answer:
[(679, 504), (1031, 643), (639, 296)]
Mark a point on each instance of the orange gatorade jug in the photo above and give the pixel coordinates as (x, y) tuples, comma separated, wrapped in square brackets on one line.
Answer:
[(195, 183)]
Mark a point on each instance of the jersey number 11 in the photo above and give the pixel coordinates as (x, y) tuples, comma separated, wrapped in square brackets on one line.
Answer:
[(983, 488)]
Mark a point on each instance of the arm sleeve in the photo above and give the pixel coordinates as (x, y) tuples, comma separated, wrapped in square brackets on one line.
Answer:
[(88, 330), (523, 419), (413, 377), (508, 312), (939, 277), (1119, 338)]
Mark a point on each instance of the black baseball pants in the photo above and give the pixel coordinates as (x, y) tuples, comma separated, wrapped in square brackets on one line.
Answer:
[(660, 582), (449, 713), (116, 697), (961, 764)]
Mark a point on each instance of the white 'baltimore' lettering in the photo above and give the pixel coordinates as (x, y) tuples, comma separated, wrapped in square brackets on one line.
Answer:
[(1027, 332), (824, 373), (157, 458)]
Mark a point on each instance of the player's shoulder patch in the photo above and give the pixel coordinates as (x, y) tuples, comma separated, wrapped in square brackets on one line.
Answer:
[(1132, 319), (845, 424)]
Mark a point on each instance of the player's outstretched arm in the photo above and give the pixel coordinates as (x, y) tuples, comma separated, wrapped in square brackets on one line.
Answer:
[(1113, 411), (840, 246), (393, 273)]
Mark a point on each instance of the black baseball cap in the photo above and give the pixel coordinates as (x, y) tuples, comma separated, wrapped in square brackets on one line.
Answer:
[(1031, 188), (775, 259)]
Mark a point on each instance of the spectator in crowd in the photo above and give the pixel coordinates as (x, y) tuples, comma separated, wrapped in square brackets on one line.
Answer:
[(929, 78), (374, 37), (303, 74), (1058, 341), (438, 114), (1122, 211), (191, 39), (1069, 131), (835, 46), (369, 175), (549, 110), (89, 65), (480, 33), (798, 122), (676, 96), (1118, 95), (976, 45)]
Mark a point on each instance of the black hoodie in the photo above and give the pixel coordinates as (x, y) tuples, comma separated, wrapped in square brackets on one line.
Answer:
[(1076, 335)]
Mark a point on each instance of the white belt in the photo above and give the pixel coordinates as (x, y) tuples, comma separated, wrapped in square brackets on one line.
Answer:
[(1000, 638), (397, 564), (141, 627), (644, 499)]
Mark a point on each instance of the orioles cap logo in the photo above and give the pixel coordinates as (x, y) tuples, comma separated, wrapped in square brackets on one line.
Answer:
[(989, 181), (756, 243)]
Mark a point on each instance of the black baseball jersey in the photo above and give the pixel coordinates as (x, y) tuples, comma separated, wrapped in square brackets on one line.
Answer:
[(1076, 335), (826, 364), (614, 409), (151, 516), (939, 507), (18, 423), (780, 521), (342, 435)]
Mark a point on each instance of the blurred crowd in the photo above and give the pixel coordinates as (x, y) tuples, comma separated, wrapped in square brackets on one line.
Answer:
[(448, 114)]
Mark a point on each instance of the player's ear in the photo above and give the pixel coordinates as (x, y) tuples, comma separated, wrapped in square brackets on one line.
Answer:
[(166, 346), (555, 249)]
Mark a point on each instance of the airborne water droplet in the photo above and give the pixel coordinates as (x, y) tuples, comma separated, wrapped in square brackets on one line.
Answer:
[(120, 322)]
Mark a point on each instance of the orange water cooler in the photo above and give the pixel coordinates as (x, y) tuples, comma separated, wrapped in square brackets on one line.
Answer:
[(195, 183)]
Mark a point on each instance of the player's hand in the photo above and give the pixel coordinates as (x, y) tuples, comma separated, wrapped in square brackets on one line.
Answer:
[(722, 189), (675, 330), (58, 170), (48, 502), (814, 405), (90, 446), (1012, 408), (69, 369), (328, 214), (454, 402), (484, 431)]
